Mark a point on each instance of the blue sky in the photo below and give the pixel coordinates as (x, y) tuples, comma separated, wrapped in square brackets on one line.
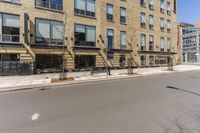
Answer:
[(188, 11)]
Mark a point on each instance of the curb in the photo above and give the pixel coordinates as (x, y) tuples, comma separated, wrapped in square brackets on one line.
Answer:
[(77, 82)]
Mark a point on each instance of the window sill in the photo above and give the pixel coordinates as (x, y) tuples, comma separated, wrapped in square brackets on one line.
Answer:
[(152, 9), (143, 6), (85, 16), (111, 21), (143, 27), (123, 23), (11, 3), (47, 9)]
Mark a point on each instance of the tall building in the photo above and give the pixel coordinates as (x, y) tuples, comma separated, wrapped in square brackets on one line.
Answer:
[(180, 26), (89, 33), (190, 41)]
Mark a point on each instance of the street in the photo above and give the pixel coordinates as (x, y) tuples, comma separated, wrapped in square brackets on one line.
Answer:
[(153, 104)]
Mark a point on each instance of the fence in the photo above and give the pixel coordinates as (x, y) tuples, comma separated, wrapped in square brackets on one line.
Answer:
[(16, 68)]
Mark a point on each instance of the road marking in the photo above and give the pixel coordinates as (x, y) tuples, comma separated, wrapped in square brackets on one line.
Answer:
[(35, 116)]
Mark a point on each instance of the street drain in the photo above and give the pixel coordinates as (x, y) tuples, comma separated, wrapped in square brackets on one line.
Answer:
[(44, 88)]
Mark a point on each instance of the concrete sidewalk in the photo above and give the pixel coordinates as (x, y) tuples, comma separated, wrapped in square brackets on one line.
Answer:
[(11, 83)]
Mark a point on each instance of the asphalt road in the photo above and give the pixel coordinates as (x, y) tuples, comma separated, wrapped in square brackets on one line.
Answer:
[(140, 105)]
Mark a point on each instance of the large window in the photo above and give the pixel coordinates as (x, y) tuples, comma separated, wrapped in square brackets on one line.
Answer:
[(85, 35), (85, 7), (9, 57), (122, 40), (50, 4), (162, 40), (168, 44), (151, 4), (143, 3), (9, 28), (151, 42), (109, 12), (168, 26), (0, 27), (122, 15), (168, 8), (143, 42), (175, 4), (162, 6), (151, 21), (142, 20), (49, 32), (110, 38), (162, 24), (85, 61)]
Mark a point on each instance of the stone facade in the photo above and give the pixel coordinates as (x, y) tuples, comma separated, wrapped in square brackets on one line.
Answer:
[(132, 27)]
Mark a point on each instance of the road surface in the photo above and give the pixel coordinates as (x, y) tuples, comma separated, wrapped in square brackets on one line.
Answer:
[(154, 104)]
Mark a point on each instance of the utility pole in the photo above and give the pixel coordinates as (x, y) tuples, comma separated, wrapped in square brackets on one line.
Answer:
[(170, 62)]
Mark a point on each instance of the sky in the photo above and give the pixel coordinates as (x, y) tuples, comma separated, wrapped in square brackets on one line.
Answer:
[(188, 11)]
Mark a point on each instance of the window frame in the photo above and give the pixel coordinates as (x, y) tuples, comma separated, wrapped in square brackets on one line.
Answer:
[(49, 43), (85, 42), (85, 12), (10, 36), (110, 17)]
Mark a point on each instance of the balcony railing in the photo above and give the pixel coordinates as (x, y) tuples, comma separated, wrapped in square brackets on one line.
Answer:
[(151, 7), (11, 1), (142, 48), (85, 44), (122, 19), (162, 29), (49, 42), (168, 12), (162, 10), (84, 13), (9, 38), (143, 25), (151, 26), (49, 5), (151, 48), (109, 17)]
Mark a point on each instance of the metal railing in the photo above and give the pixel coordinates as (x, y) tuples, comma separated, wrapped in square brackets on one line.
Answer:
[(85, 43), (143, 48), (49, 5), (16, 68), (151, 48), (9, 38), (48, 42)]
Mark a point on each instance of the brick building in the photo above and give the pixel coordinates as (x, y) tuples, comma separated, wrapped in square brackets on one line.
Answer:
[(114, 33)]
